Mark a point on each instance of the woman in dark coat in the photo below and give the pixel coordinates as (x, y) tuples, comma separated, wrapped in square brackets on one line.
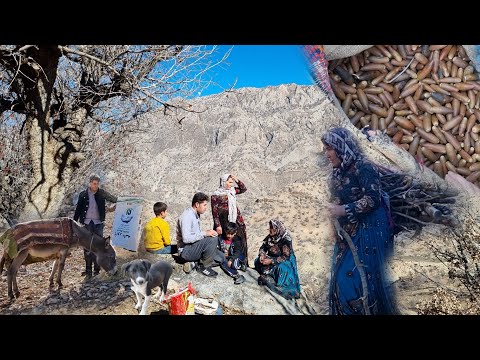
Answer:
[(362, 210), (276, 262), (225, 209)]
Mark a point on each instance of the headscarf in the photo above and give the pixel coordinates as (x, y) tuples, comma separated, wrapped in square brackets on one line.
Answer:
[(232, 198), (280, 232), (344, 144)]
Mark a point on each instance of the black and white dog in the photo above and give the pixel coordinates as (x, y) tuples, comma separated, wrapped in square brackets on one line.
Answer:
[(145, 277)]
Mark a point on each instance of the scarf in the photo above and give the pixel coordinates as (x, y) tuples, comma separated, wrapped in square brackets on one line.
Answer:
[(280, 232), (344, 144), (232, 198)]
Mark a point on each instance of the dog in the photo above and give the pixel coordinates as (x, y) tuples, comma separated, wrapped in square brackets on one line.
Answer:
[(146, 276)]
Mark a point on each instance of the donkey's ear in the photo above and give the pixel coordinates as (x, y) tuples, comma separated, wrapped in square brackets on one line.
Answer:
[(147, 264), (107, 242)]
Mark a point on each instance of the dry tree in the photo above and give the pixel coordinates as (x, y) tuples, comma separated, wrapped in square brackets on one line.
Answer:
[(63, 98)]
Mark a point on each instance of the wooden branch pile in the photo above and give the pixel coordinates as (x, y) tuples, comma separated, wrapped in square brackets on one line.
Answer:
[(415, 204)]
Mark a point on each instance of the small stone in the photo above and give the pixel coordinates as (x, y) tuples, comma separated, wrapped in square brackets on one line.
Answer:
[(52, 301)]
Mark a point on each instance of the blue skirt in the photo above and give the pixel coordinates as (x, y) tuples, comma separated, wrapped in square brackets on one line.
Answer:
[(285, 276), (374, 243)]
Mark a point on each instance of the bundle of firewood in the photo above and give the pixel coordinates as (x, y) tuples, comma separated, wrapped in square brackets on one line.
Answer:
[(414, 204)]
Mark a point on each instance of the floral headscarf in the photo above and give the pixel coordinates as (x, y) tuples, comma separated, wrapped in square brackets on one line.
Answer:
[(280, 231), (345, 145)]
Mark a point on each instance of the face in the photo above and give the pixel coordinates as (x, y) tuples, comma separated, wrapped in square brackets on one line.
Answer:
[(332, 156), (230, 236), (271, 230), (229, 183), (201, 207), (137, 270), (94, 185), (107, 258)]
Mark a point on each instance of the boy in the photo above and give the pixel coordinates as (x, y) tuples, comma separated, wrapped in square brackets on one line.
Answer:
[(232, 246), (157, 231)]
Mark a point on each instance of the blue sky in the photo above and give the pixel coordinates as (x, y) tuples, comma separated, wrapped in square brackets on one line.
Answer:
[(260, 66)]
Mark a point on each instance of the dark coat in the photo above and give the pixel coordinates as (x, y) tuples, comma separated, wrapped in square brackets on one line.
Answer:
[(100, 197)]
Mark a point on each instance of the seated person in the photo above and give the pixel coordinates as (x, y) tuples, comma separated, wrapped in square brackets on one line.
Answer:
[(232, 245), (197, 247), (157, 231), (276, 262)]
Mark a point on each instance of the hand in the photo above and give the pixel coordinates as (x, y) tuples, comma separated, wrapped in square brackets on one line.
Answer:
[(112, 208), (226, 253), (229, 263), (219, 230), (261, 258), (336, 210), (211, 233), (234, 177)]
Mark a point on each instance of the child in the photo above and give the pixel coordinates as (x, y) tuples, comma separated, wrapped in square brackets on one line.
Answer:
[(157, 231), (231, 244)]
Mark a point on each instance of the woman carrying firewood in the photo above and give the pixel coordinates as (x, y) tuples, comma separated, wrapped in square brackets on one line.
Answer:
[(364, 229)]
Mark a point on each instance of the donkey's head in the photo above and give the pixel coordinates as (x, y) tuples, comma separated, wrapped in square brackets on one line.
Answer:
[(106, 257)]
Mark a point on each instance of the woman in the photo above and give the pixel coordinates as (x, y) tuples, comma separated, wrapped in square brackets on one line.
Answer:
[(276, 262), (225, 209), (362, 212)]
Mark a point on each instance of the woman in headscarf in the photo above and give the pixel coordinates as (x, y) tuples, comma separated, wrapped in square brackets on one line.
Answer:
[(225, 209), (362, 211), (276, 262)]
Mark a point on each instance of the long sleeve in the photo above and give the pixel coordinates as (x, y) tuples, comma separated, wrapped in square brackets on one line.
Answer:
[(215, 200), (109, 197), (241, 187), (190, 228), (369, 181), (165, 232), (285, 254), (264, 248), (237, 248), (79, 207)]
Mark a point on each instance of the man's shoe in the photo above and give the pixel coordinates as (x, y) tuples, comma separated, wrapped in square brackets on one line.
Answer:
[(239, 279), (96, 272), (188, 267), (207, 271)]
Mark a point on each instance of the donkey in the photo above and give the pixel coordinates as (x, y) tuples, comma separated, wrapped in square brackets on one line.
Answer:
[(43, 240)]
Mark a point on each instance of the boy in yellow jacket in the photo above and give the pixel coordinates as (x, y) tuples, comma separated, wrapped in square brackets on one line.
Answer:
[(157, 231)]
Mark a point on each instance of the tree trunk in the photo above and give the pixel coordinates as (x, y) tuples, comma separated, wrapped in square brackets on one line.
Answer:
[(50, 151)]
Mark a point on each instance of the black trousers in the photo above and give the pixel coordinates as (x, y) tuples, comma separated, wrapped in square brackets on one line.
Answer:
[(90, 258)]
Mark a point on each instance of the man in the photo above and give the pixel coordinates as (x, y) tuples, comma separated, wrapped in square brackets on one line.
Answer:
[(194, 244), (90, 211)]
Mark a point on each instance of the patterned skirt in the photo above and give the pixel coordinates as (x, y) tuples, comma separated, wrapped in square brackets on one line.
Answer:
[(374, 241)]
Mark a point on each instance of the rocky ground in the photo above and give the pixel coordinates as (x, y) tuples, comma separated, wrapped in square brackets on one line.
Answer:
[(270, 139)]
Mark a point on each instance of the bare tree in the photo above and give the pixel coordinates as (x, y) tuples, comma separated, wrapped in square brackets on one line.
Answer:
[(15, 170), (59, 92)]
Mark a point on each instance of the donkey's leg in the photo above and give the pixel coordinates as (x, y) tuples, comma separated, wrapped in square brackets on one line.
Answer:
[(12, 273), (63, 256), (54, 270), (2, 263)]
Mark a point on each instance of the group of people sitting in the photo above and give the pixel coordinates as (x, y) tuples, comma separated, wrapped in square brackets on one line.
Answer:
[(225, 245), (358, 204)]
